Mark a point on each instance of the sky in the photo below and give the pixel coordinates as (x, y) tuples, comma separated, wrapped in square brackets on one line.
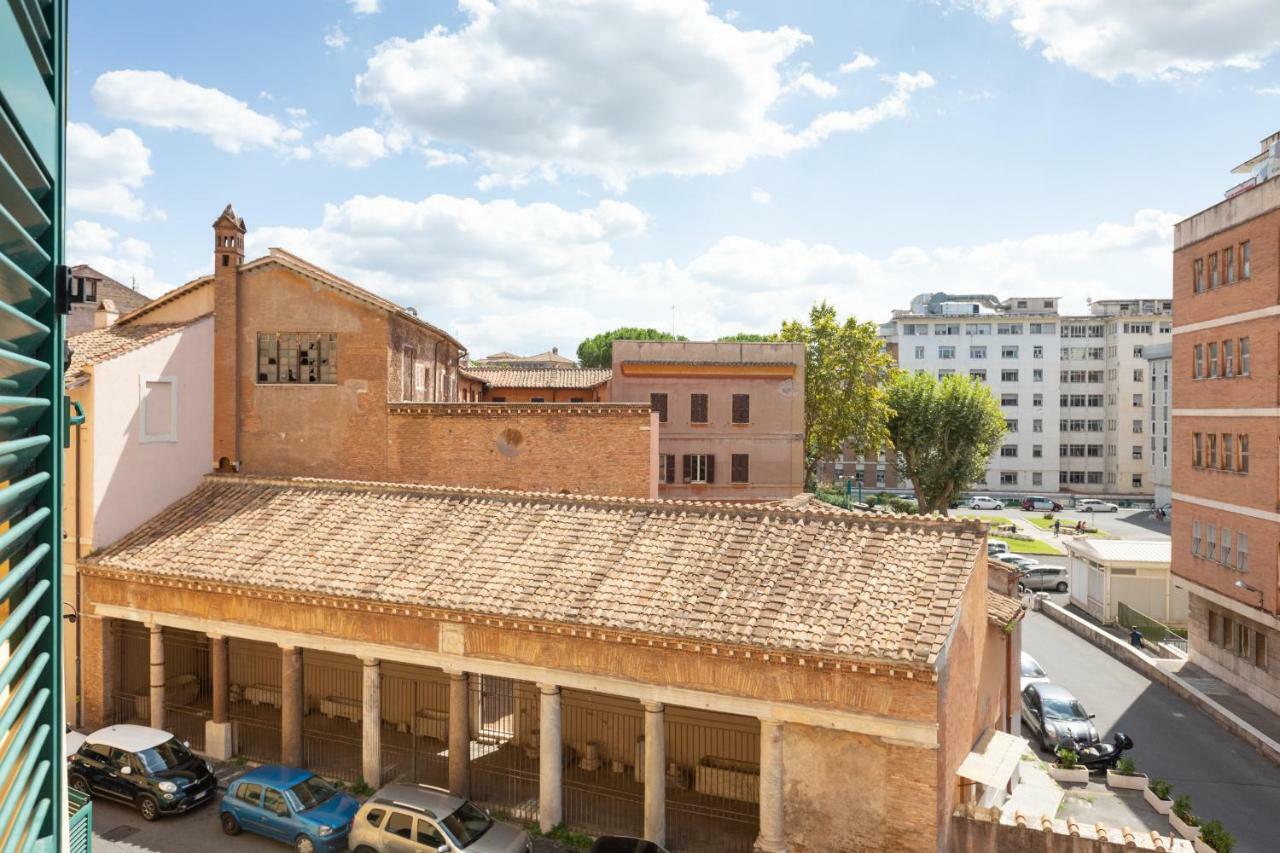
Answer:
[(526, 173)]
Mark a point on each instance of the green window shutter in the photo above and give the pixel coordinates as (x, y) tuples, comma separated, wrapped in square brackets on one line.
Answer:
[(32, 412)]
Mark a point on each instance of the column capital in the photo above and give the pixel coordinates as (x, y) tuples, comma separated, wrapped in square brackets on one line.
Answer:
[(549, 689), (370, 661), (770, 723), (215, 636), (456, 674), (154, 628), (285, 647), (653, 707)]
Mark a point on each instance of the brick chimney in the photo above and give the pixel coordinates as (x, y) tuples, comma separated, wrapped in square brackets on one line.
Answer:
[(228, 254), (106, 314)]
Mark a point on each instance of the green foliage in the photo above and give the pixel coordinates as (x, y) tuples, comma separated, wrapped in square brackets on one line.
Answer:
[(944, 431), (1162, 789), (1067, 758), (597, 351), (846, 374), (1182, 808), (360, 788), (1213, 833), (1126, 766), (567, 837), (749, 338)]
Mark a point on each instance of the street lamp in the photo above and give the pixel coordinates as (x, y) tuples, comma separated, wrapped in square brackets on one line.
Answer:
[(1243, 585)]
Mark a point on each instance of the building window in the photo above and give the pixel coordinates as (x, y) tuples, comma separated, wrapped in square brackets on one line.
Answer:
[(1008, 399), (1008, 376), (1197, 361), (1037, 375), (1137, 353), (159, 409), (919, 352), (740, 468), (1008, 478), (1037, 451), (699, 468), (1228, 358), (1008, 328), (1228, 450), (1229, 264), (1008, 352), (1259, 650), (1197, 450), (1137, 375), (946, 352), (1037, 425), (1009, 451), (977, 352), (1137, 451), (742, 408), (1199, 275), (1037, 479), (1195, 539), (297, 358), (408, 375), (947, 329), (1211, 543), (658, 402), (1244, 356), (1037, 400), (1137, 426), (1245, 270), (978, 375), (1011, 425), (1213, 270), (1137, 399), (497, 399), (1213, 450), (1225, 551), (666, 467), (1137, 481), (1038, 352), (537, 399), (1242, 442), (1213, 360), (697, 408)]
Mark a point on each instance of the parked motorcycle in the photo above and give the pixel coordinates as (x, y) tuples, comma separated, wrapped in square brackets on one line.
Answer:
[(1100, 756)]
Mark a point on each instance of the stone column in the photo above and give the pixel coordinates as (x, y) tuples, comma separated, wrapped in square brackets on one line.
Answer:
[(157, 677), (772, 775), (372, 722), (459, 734), (219, 739), (655, 773), (98, 676), (291, 706), (550, 759)]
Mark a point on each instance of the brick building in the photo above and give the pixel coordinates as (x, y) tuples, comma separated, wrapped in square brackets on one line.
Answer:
[(730, 415), (1226, 430), (97, 299), (538, 384)]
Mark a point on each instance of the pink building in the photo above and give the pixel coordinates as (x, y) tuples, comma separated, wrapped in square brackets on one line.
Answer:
[(731, 415)]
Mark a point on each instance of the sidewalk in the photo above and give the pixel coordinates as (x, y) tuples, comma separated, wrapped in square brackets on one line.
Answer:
[(1252, 712)]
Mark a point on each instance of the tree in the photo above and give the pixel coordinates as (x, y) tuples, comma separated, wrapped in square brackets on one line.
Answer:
[(944, 432), (597, 351), (846, 374), (749, 338)]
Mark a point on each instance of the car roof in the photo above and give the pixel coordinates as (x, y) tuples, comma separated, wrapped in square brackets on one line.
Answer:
[(279, 775), (423, 798), (1052, 691), (129, 738)]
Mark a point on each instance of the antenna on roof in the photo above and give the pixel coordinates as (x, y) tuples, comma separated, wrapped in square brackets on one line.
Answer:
[(133, 282)]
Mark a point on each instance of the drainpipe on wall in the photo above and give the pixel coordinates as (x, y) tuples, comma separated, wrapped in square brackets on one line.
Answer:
[(79, 613)]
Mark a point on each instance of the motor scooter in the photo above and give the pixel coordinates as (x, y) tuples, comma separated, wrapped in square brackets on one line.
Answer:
[(1100, 756)]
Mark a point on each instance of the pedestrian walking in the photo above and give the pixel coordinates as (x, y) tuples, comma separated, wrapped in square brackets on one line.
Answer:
[(1057, 526), (1135, 637)]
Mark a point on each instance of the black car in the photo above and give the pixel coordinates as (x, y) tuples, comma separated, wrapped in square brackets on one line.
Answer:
[(148, 768), (623, 844), (1056, 716)]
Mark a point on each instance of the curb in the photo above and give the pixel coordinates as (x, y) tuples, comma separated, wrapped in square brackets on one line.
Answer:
[(1128, 655)]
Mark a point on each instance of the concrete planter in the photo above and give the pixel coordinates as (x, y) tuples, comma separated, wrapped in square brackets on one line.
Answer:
[(1189, 832), (1161, 806), (1201, 847), (1078, 775), (1130, 781)]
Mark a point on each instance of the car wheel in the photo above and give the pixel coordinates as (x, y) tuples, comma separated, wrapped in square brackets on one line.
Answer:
[(148, 807), (81, 784), (1062, 586), (304, 844), (230, 825)]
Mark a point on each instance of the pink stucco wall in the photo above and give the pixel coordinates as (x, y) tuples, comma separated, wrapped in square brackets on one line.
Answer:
[(133, 480)]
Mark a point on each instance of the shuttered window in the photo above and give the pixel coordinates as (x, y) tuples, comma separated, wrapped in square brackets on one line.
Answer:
[(32, 99), (741, 468), (742, 408), (658, 402), (697, 408), (699, 468)]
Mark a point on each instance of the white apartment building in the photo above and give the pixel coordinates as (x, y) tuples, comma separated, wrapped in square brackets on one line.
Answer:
[(1160, 387), (1012, 345), (1073, 388)]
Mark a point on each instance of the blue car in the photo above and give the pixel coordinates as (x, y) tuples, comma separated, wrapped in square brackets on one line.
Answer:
[(290, 805)]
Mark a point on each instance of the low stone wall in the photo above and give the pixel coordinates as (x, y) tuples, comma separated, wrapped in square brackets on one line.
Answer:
[(983, 833), (1149, 667)]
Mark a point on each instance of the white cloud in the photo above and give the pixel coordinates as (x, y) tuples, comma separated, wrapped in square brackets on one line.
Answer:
[(860, 62), (156, 99), (1269, 90), (816, 86), (502, 275), (760, 196), (359, 147), (127, 260), (104, 170), (1143, 39), (607, 88), (334, 37), (365, 7)]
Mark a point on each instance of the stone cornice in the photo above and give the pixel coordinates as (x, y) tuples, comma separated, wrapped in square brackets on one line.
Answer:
[(726, 651), (498, 410)]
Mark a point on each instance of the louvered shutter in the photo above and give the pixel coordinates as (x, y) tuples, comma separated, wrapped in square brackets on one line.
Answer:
[(711, 468), (671, 467), (688, 468), (32, 99)]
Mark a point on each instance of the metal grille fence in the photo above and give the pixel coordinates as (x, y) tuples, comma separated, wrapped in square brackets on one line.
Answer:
[(332, 727), (713, 781), (604, 776), (415, 725), (504, 745), (131, 697), (254, 698), (188, 690)]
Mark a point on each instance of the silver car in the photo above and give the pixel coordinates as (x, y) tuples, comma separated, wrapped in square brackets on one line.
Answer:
[(425, 819), (1042, 577)]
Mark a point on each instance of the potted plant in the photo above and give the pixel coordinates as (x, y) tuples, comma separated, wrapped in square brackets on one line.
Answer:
[(1067, 769), (1183, 819), (1159, 795), (1126, 776), (1214, 838)]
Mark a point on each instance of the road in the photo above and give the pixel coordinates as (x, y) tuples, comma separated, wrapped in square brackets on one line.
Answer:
[(1173, 740)]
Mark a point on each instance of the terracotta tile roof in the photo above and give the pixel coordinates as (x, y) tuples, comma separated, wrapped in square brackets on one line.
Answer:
[(545, 377), (1003, 610), (866, 587), (99, 345)]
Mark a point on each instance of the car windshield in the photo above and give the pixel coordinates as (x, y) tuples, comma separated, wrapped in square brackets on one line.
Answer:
[(1062, 708), (467, 824), (166, 756), (1031, 669), (312, 792)]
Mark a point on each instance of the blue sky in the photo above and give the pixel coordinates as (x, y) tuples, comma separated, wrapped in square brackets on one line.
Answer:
[(527, 173)]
